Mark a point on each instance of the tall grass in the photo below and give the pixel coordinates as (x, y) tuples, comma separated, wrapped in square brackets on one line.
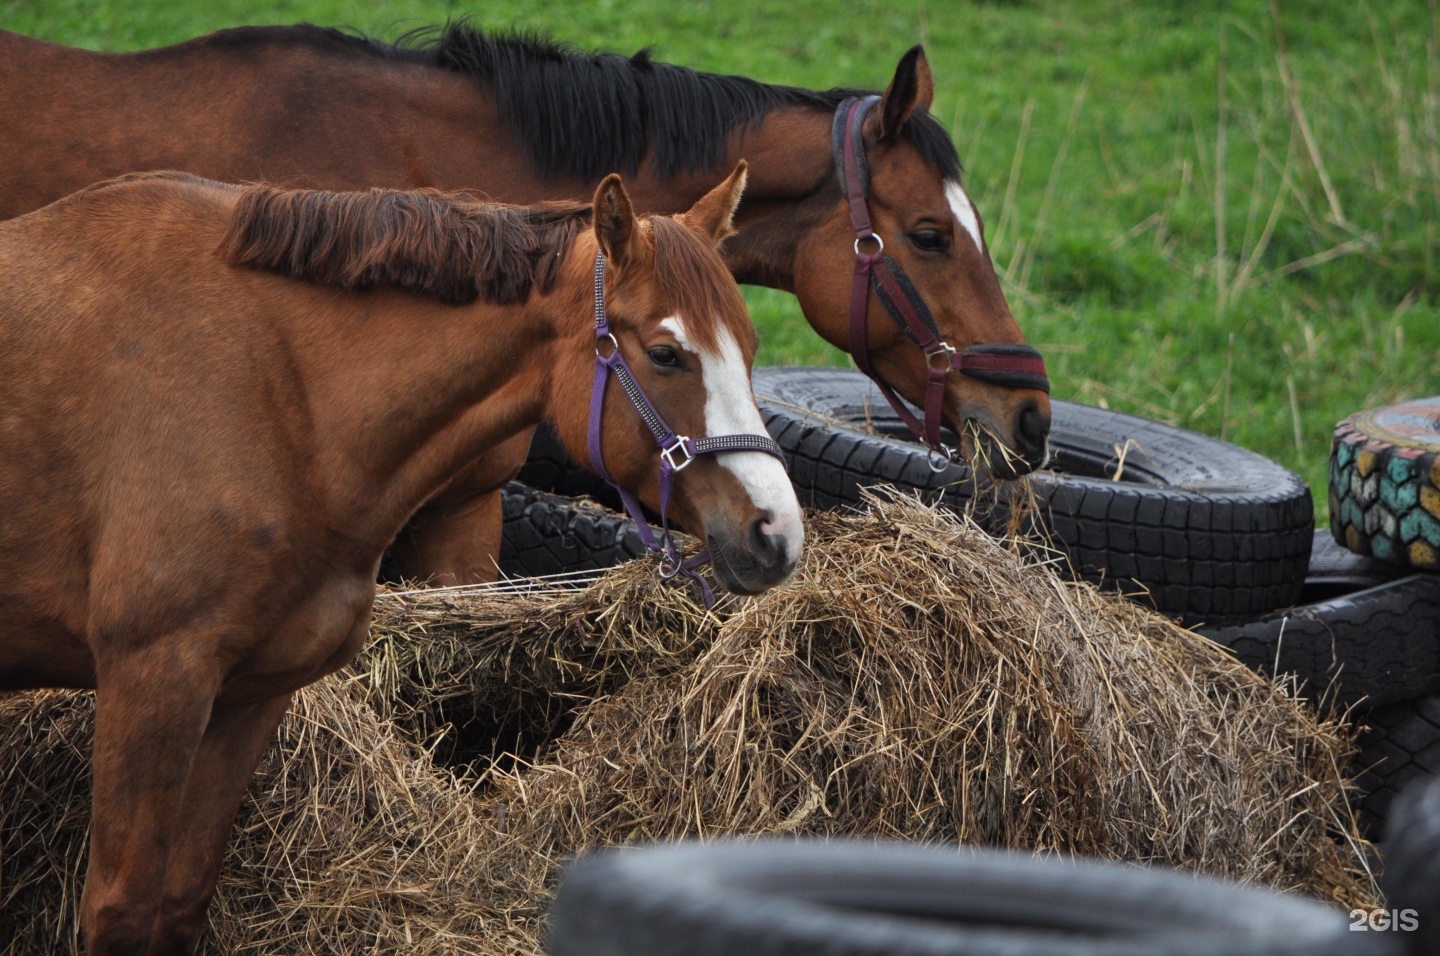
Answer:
[(1252, 256)]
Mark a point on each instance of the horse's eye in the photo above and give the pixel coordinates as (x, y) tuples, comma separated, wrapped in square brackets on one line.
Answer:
[(929, 240), (665, 357)]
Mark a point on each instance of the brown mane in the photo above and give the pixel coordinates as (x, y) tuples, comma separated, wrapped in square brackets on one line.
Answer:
[(443, 246)]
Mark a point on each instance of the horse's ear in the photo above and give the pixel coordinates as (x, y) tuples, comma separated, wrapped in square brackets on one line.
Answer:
[(714, 214), (912, 88), (614, 219)]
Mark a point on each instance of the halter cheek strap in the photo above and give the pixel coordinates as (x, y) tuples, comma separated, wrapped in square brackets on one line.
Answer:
[(1010, 365), (676, 451)]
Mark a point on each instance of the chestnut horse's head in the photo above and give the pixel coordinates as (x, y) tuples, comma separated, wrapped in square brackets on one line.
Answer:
[(679, 324), (932, 235)]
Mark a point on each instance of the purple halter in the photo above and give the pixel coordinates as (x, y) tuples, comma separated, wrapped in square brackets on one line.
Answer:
[(1012, 365), (676, 451)]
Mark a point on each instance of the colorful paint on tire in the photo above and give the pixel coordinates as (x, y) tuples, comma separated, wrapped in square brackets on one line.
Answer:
[(1385, 483)]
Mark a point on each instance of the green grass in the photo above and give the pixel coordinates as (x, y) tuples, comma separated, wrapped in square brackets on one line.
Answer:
[(1195, 221)]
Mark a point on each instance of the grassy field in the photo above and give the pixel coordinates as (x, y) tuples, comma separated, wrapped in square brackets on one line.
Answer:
[(1223, 216)]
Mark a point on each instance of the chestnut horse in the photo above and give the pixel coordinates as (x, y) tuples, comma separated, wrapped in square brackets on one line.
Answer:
[(524, 120), (219, 404)]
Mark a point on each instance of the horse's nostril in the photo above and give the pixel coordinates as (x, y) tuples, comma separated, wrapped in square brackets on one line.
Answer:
[(1032, 429), (768, 547)]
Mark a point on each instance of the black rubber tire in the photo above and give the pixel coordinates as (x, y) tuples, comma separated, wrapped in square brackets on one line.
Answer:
[(550, 468), (1359, 637), (1412, 863), (855, 899), (548, 534), (1397, 745), (551, 534), (1212, 532), (1385, 483), (1336, 571)]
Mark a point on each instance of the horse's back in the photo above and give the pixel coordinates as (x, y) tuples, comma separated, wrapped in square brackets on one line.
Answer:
[(58, 109), (297, 106), (116, 302)]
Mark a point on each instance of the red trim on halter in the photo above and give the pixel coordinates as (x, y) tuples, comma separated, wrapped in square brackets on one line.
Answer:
[(1010, 365)]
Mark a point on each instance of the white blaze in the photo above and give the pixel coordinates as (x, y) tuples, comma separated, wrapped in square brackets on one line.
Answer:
[(730, 410), (964, 211)]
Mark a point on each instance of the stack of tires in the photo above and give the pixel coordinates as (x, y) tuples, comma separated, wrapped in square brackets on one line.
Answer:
[(1217, 536)]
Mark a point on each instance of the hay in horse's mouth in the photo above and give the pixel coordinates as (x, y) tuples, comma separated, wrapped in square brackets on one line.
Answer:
[(913, 680)]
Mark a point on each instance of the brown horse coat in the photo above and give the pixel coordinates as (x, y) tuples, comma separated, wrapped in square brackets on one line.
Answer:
[(203, 461), (522, 121)]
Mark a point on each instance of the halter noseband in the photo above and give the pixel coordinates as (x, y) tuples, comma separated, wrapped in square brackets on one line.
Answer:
[(676, 451), (1011, 365)]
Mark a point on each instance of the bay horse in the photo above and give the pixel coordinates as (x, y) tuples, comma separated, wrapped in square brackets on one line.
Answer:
[(523, 119), (218, 405)]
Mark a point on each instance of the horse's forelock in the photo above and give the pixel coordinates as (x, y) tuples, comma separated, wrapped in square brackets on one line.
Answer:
[(438, 245), (697, 283)]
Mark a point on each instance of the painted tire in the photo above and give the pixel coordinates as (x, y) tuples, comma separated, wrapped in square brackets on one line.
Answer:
[(1385, 483), (858, 899), (1412, 862), (1363, 633), (1209, 531)]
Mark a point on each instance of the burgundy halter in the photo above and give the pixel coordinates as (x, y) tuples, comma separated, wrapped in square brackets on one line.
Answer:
[(676, 451), (1011, 365)]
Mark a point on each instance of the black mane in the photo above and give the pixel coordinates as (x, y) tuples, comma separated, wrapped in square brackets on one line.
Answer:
[(582, 115)]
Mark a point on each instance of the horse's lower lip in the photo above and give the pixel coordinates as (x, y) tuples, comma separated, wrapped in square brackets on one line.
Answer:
[(726, 573)]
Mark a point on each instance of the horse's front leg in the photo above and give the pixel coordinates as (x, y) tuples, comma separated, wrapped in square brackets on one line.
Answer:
[(151, 708), (224, 766)]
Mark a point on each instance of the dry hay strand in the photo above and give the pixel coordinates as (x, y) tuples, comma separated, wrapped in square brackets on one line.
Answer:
[(914, 680), (350, 840)]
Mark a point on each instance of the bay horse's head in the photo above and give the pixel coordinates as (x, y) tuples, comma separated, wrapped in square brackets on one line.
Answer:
[(671, 321), (895, 167)]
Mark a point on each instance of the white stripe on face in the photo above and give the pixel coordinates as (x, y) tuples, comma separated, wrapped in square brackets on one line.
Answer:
[(964, 211), (730, 410)]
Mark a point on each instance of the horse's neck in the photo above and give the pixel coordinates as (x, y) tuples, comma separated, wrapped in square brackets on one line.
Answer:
[(789, 159), (416, 390)]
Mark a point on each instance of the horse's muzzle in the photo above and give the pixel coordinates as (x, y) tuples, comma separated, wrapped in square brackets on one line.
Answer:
[(1027, 450), (754, 561)]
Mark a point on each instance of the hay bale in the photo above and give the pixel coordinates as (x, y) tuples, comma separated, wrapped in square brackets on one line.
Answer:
[(915, 680)]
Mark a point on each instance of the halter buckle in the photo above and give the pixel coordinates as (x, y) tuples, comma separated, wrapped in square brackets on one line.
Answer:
[(681, 444), (878, 242), (614, 346), (947, 354), (941, 458)]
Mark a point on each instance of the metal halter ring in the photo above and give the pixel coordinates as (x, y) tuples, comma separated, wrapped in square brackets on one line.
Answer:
[(669, 569), (614, 346), (947, 353), (944, 455), (878, 241), (681, 444)]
